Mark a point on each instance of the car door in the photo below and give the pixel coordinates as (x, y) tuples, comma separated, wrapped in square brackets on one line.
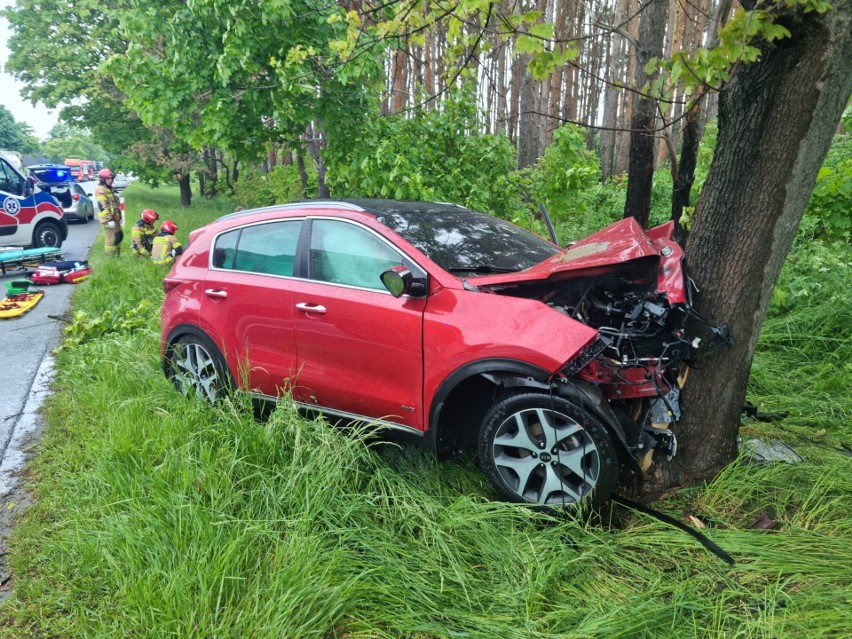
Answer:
[(248, 299), (359, 348)]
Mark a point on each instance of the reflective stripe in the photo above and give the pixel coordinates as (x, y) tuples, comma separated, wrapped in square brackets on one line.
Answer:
[(162, 249)]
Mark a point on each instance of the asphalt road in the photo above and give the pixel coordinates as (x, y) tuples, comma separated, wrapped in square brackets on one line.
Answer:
[(27, 342)]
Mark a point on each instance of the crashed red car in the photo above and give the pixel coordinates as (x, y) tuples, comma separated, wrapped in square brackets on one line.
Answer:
[(560, 367)]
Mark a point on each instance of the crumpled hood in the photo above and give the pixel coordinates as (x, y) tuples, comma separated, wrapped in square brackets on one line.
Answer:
[(620, 242)]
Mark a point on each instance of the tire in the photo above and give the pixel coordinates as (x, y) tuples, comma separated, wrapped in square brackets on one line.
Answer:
[(47, 234), (544, 450), (195, 367)]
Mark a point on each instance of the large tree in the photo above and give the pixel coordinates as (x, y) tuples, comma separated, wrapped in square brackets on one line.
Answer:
[(10, 132), (58, 49), (785, 73), (238, 75), (776, 120)]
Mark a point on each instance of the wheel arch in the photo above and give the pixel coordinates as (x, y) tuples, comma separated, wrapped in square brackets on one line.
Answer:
[(182, 330), (464, 397)]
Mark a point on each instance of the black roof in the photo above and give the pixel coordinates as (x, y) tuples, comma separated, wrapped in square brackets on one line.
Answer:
[(379, 207)]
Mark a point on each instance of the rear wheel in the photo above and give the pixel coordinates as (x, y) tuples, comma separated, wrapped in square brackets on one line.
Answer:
[(542, 449), (47, 234), (196, 368)]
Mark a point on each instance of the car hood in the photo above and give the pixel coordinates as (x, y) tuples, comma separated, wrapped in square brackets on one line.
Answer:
[(621, 242)]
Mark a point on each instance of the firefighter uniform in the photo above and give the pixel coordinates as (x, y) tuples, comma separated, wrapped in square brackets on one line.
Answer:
[(109, 211), (142, 238), (165, 248)]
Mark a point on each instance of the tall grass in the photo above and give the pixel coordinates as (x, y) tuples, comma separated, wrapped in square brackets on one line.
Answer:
[(159, 516)]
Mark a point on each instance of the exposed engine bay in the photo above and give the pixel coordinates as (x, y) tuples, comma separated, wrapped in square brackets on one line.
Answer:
[(641, 358)]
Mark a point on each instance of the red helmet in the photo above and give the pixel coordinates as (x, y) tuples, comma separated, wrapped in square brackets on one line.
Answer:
[(105, 173), (169, 227), (149, 215)]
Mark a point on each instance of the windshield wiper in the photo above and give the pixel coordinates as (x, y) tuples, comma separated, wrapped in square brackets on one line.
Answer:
[(480, 268)]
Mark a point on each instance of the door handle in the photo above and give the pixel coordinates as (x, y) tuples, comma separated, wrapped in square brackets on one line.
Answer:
[(311, 308), (213, 292)]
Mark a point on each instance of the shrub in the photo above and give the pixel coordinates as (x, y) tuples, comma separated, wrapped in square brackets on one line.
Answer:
[(435, 155), (280, 185)]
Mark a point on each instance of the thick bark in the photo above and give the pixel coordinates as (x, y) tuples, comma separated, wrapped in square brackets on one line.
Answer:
[(640, 175), (185, 190), (776, 121)]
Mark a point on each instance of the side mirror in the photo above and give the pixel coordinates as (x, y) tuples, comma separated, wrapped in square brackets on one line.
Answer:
[(399, 281)]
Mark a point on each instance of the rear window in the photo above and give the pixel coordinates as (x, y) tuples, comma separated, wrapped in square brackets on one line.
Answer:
[(265, 248)]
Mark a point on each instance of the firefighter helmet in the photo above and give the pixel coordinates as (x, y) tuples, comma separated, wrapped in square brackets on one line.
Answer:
[(169, 227), (149, 215), (104, 174)]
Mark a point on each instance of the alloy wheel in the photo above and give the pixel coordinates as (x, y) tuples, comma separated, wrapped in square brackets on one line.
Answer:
[(545, 456), (195, 370)]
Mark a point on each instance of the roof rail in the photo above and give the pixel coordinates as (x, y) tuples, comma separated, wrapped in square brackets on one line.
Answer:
[(308, 204)]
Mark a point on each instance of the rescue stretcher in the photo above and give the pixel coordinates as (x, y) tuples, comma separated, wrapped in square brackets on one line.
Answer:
[(12, 259)]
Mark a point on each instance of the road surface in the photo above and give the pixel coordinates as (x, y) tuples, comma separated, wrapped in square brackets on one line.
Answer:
[(27, 342)]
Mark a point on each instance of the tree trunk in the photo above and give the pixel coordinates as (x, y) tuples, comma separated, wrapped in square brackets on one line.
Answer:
[(640, 175), (303, 173), (398, 92), (428, 68), (622, 149), (611, 93), (693, 131), (530, 126), (776, 121), (185, 190)]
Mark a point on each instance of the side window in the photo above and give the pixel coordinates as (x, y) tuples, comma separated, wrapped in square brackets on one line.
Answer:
[(348, 254), (225, 249), (268, 248)]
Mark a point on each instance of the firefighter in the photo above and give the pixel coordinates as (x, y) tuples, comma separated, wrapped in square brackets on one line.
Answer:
[(166, 246), (142, 233), (109, 213)]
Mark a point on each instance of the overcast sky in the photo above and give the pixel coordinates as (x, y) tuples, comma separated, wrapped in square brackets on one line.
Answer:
[(38, 117)]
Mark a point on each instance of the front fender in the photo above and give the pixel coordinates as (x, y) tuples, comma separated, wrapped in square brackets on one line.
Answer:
[(460, 327)]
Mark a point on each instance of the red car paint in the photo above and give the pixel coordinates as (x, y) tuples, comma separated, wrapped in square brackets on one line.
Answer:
[(289, 298)]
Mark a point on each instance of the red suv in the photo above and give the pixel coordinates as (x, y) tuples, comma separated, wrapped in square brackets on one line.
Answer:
[(561, 367)]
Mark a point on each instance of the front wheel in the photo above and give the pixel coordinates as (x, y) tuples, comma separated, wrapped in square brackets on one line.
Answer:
[(544, 450), (47, 234), (196, 368)]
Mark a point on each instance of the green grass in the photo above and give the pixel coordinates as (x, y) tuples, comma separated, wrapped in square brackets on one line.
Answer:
[(157, 516)]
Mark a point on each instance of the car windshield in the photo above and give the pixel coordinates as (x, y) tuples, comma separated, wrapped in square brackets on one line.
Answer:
[(462, 241)]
